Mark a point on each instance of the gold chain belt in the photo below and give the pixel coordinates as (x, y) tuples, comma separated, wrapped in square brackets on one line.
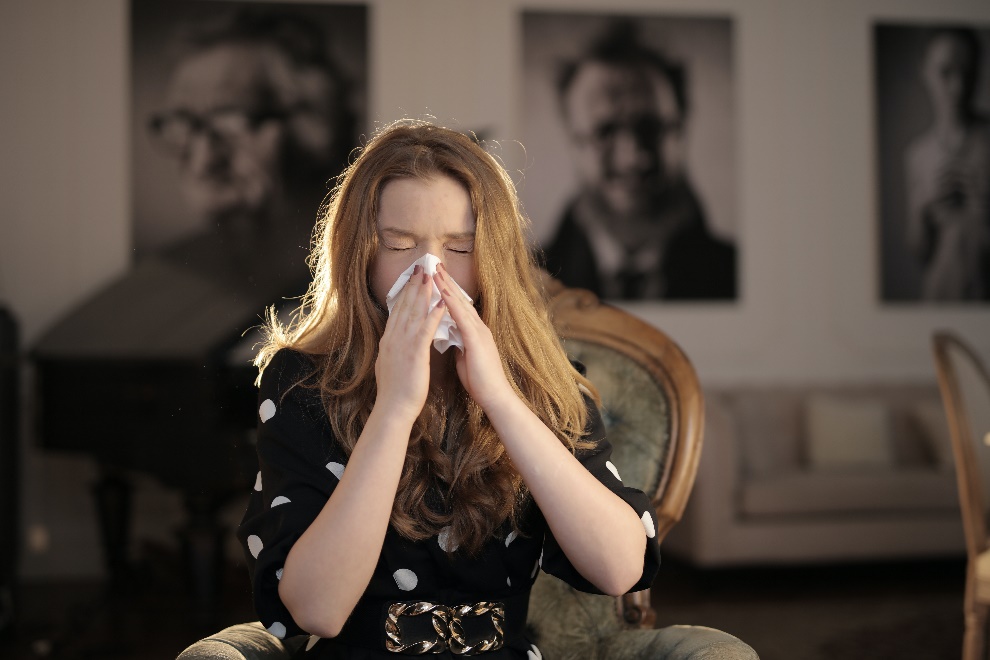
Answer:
[(448, 626)]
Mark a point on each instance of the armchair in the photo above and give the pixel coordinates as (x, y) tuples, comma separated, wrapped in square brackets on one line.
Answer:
[(653, 410)]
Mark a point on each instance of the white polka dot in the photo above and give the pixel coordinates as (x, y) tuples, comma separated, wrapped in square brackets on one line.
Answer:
[(534, 653), (267, 410), (257, 482), (614, 470), (278, 574), (337, 469), (446, 543), (508, 582), (405, 579), (647, 519), (281, 499), (255, 545), (510, 538), (277, 629), (313, 639)]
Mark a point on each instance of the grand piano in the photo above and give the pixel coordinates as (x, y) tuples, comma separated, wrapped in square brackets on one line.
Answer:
[(153, 374)]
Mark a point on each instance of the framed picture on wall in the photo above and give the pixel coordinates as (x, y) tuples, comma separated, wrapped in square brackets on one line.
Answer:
[(629, 132), (243, 113), (933, 159)]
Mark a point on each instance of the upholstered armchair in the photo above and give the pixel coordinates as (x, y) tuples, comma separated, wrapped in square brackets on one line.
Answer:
[(653, 408)]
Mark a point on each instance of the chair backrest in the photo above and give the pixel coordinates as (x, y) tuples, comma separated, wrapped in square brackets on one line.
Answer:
[(965, 385), (653, 410), (652, 403)]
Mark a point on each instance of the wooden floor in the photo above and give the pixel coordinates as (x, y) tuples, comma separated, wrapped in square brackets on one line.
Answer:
[(902, 611)]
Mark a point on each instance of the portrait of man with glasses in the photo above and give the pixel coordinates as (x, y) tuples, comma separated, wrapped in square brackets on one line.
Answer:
[(635, 228), (248, 122)]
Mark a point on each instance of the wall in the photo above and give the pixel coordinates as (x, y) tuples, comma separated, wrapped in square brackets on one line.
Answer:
[(806, 198)]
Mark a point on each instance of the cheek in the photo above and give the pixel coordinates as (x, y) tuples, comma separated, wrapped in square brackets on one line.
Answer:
[(589, 162), (384, 272), (466, 277), (260, 154)]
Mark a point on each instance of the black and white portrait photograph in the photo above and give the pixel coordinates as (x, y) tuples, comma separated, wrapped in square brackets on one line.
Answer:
[(629, 133), (933, 155), (243, 114)]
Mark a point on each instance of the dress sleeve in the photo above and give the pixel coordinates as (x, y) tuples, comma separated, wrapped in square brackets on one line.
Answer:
[(596, 461), (300, 465)]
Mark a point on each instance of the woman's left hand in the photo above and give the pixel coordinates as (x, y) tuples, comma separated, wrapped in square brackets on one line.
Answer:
[(478, 366)]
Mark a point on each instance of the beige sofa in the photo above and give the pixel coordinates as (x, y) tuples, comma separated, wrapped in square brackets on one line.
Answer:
[(817, 474)]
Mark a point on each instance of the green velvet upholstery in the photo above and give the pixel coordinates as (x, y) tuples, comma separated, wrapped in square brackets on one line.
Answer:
[(245, 641), (635, 411)]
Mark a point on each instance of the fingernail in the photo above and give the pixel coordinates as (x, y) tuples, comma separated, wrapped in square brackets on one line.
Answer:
[(426, 278), (441, 267), (441, 303), (446, 292), (416, 269)]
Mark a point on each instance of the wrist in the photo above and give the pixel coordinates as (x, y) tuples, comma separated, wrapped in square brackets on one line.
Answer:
[(395, 421), (506, 402)]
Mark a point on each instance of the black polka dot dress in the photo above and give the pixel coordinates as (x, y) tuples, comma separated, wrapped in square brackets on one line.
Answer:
[(301, 464)]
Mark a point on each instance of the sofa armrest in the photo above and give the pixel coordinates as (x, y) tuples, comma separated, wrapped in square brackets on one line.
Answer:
[(677, 643), (245, 641)]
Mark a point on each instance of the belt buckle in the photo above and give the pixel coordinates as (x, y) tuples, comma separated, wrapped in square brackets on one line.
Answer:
[(441, 625), (458, 642), (448, 626)]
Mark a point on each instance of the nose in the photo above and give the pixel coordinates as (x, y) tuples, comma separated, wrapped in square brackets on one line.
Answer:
[(629, 154), (205, 154)]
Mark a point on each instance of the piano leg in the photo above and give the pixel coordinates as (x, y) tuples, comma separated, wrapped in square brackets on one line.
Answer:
[(203, 549), (113, 505)]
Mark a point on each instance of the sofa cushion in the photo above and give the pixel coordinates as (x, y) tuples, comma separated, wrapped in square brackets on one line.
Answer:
[(768, 429), (845, 432), (907, 491)]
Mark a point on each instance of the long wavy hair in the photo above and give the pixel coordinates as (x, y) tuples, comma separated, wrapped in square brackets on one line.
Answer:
[(456, 471)]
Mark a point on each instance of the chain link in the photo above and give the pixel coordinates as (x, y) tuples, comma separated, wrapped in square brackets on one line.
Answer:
[(448, 625)]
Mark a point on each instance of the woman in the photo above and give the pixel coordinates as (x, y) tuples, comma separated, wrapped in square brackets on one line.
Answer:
[(398, 483), (948, 174)]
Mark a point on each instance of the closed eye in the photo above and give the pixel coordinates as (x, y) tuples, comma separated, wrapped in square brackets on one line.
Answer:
[(461, 248)]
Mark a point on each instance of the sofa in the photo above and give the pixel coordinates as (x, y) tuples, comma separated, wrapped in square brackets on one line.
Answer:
[(821, 473)]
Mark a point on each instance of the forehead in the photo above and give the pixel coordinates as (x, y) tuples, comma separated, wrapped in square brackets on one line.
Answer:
[(224, 75), (607, 92), (438, 205)]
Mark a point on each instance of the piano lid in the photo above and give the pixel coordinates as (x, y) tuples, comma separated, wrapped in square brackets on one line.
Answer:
[(193, 302)]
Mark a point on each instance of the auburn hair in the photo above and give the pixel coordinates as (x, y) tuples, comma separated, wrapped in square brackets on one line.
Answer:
[(456, 471)]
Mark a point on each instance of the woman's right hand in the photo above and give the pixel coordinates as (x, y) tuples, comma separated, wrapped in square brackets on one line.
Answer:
[(402, 371)]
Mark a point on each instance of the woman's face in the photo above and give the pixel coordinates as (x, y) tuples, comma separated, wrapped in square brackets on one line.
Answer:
[(947, 67), (417, 217)]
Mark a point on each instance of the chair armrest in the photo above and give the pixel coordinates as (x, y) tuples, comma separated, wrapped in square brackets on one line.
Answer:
[(677, 643), (245, 641)]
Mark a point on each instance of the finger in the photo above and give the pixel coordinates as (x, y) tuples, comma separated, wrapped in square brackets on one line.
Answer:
[(403, 302), (461, 310), (433, 320)]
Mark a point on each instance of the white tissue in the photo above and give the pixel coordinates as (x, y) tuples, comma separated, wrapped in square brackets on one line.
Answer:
[(447, 333)]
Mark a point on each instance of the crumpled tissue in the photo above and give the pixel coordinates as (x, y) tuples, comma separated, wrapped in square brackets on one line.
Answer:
[(447, 334)]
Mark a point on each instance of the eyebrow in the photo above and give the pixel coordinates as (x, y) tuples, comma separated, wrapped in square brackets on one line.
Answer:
[(402, 233)]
